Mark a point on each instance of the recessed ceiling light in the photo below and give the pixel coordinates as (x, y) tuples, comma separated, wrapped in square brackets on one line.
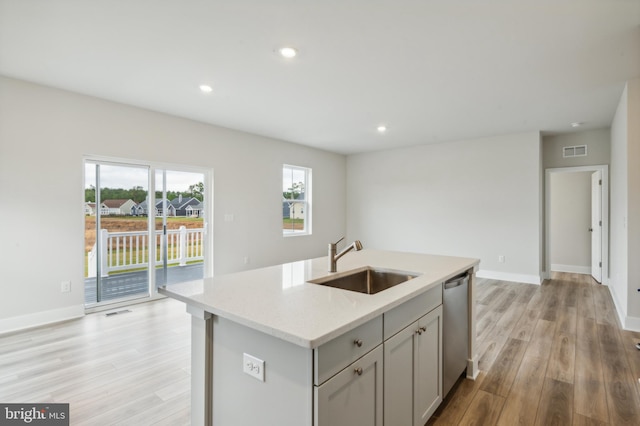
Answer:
[(576, 124), (382, 128), (206, 88), (287, 52)]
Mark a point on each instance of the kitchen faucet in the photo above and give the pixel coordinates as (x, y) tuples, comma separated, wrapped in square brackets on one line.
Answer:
[(333, 257)]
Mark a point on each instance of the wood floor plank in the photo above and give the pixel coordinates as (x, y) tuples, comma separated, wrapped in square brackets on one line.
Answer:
[(521, 406), (562, 360), (566, 317), (622, 395), (455, 405), (526, 293), (585, 303), (552, 305), (605, 311), (590, 398), (556, 404), (485, 409), (523, 330), (580, 420), (493, 344), (503, 372), (540, 343), (629, 339)]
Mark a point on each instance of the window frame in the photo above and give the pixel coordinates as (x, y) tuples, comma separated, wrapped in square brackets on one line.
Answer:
[(306, 202)]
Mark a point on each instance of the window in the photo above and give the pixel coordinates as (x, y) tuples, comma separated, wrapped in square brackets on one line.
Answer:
[(296, 200)]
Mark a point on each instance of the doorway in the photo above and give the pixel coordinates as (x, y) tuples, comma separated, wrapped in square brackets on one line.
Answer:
[(593, 235), (145, 227)]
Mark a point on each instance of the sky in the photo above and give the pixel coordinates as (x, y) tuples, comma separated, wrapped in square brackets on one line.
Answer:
[(127, 177)]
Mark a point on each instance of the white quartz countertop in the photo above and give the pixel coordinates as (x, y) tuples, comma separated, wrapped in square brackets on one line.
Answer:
[(280, 302)]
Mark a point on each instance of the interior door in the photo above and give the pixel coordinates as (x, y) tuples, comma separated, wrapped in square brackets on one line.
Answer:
[(596, 226)]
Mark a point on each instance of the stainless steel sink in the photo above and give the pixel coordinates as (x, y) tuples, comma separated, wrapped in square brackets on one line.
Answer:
[(366, 280)]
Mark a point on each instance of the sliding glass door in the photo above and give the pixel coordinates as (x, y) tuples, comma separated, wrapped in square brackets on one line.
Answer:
[(179, 226), (144, 228), (116, 236)]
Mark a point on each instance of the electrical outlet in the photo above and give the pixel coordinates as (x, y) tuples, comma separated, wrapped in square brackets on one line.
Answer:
[(500, 258), (246, 260), (253, 366), (65, 286)]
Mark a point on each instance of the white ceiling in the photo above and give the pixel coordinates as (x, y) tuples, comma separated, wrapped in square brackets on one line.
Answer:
[(431, 70)]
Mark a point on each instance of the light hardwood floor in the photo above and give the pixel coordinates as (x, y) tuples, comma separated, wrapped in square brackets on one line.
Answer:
[(550, 354), (127, 369)]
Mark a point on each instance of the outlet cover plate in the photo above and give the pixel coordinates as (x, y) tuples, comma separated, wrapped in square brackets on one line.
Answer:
[(253, 366)]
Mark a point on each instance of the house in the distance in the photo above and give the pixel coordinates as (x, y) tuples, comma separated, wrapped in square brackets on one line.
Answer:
[(180, 205), (119, 207), (195, 210), (90, 209), (142, 209)]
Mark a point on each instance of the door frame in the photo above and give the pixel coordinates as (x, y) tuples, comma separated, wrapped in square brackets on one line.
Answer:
[(208, 224), (604, 168)]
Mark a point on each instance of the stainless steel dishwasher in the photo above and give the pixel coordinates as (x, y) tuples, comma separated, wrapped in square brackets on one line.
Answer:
[(455, 330)]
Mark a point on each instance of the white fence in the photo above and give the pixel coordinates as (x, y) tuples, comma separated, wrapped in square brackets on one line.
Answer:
[(123, 251)]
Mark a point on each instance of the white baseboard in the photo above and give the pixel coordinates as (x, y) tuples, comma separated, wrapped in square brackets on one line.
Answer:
[(628, 322), (573, 269), (507, 276), (8, 325), (632, 323)]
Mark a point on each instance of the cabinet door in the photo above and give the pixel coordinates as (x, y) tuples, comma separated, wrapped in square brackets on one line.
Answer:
[(354, 395), (399, 359), (428, 367)]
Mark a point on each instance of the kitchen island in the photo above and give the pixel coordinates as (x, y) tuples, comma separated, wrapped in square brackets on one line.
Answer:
[(268, 347)]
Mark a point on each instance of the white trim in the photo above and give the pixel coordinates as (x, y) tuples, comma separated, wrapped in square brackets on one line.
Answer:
[(308, 222), (574, 269), (632, 324), (605, 214), (508, 276), (627, 322), (36, 319)]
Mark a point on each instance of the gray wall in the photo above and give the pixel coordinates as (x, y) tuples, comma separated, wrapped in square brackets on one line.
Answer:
[(598, 143), (570, 219), (45, 132), (477, 198)]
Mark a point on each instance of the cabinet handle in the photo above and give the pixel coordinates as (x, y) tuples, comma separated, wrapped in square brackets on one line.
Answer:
[(423, 329), (358, 371), (358, 343), (419, 331)]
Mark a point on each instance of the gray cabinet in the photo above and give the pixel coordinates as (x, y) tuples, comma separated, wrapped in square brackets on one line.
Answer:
[(413, 371), (354, 395), (427, 394)]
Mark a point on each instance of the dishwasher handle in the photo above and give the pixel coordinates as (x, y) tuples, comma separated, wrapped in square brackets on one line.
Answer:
[(456, 282)]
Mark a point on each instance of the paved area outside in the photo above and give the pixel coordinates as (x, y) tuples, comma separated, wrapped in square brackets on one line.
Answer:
[(129, 284)]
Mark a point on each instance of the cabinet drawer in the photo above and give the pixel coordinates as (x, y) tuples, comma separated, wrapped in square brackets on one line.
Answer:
[(354, 396), (403, 315), (336, 354)]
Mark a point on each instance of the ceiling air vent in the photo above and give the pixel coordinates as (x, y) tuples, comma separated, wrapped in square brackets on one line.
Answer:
[(574, 151)]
